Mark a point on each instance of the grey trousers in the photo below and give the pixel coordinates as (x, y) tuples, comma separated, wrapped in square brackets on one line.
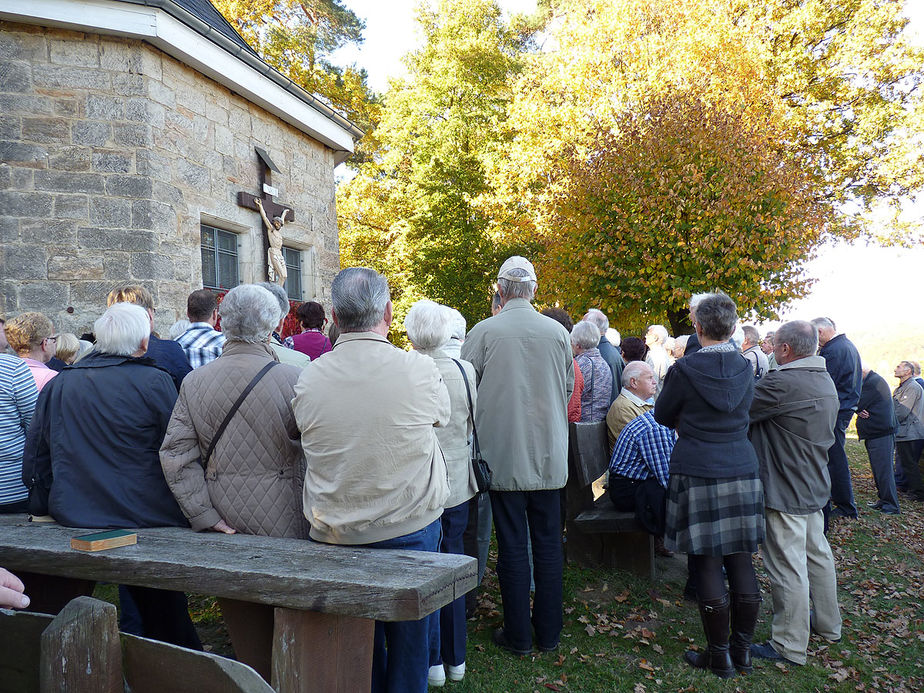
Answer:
[(881, 453)]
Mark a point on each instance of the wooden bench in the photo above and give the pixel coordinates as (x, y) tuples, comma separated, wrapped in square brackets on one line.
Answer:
[(327, 598), (598, 536)]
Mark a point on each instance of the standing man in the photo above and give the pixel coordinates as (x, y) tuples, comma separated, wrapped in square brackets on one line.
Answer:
[(201, 341), (609, 352), (752, 352), (793, 418), (843, 364), (876, 427), (909, 440), (766, 346), (526, 375), (375, 473), (657, 358)]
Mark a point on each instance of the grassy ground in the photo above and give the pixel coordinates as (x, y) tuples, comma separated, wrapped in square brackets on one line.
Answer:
[(623, 633)]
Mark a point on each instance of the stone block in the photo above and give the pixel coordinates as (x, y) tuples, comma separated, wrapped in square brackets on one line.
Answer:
[(151, 62), (67, 107), (25, 204), (161, 93), (116, 266), (67, 51), (151, 266), (22, 179), (104, 107), (70, 267), (10, 127), (24, 261), (70, 159), (129, 84), (216, 113), (124, 240), (151, 215), (132, 134), (93, 133), (26, 104), (65, 181), (15, 77), (111, 213), (22, 154), (120, 56), (239, 121), (45, 129), (152, 164), (49, 232), (71, 207), (91, 294), (168, 194), (129, 186), (6, 177), (108, 161), (193, 175), (224, 140), (20, 45), (67, 77), (44, 296), (145, 111), (190, 96), (9, 230)]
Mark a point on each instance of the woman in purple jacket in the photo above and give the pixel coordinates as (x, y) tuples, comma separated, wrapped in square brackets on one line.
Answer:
[(312, 340)]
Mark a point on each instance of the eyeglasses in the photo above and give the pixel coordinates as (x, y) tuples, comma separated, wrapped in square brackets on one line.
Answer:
[(52, 338)]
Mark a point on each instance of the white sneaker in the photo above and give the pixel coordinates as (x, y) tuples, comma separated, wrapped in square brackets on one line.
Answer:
[(437, 676), (455, 673)]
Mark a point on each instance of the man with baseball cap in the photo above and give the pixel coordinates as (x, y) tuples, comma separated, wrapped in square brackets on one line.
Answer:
[(526, 375)]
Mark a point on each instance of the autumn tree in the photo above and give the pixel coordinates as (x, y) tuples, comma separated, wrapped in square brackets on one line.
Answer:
[(421, 203)]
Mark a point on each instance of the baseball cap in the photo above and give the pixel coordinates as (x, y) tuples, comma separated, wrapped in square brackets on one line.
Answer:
[(517, 262)]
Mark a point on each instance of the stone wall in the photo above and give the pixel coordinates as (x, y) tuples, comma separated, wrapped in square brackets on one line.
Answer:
[(111, 155)]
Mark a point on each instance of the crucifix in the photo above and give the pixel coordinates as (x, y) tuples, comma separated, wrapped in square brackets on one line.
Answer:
[(274, 215)]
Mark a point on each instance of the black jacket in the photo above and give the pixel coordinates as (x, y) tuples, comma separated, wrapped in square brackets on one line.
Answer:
[(876, 398), (706, 398), (842, 360), (91, 456)]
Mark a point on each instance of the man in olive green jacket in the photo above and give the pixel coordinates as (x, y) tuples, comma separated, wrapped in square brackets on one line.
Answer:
[(526, 375)]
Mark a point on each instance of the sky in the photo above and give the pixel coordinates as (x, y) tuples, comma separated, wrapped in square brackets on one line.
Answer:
[(859, 286)]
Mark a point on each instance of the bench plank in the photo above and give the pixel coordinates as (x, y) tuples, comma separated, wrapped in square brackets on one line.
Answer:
[(382, 584), (20, 649), (604, 520), (590, 453)]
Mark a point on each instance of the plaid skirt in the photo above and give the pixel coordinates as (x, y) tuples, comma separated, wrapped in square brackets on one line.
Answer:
[(714, 517)]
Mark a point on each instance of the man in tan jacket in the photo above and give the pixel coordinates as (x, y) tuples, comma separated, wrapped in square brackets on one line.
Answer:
[(375, 474), (635, 398)]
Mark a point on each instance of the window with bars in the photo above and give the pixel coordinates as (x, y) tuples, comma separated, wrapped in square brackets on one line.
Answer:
[(293, 258), (219, 258)]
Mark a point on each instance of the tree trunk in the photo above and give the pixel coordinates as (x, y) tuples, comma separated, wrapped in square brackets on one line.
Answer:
[(680, 321)]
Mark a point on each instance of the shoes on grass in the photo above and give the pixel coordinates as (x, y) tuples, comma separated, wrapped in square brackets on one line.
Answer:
[(766, 651), (436, 676), (499, 637), (455, 673)]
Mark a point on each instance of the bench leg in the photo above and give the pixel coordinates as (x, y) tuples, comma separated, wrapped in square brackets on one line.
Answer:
[(321, 652)]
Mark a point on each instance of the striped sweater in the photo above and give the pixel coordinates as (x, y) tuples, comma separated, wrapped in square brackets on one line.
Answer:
[(17, 403)]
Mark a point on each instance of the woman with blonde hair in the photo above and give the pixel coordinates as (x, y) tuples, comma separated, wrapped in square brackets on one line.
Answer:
[(31, 336)]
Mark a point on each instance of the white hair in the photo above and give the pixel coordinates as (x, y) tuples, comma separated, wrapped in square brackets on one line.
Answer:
[(249, 313), (122, 329), (458, 324), (660, 332), (428, 325), (613, 336), (281, 297), (634, 369), (598, 318), (696, 299), (737, 337), (178, 328), (359, 296), (511, 289), (585, 335)]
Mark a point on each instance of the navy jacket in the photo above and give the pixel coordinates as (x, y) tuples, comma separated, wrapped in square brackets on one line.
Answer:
[(842, 360), (706, 399), (170, 356), (614, 360), (692, 345), (91, 457), (876, 398)]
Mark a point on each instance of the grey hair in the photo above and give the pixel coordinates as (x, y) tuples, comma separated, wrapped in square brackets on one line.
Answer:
[(178, 328), (585, 335), (428, 325), (634, 369), (695, 300), (717, 316), (122, 329), (801, 336), (661, 333), (613, 336), (359, 296), (737, 337), (281, 297), (824, 323), (458, 324), (248, 313), (509, 289), (751, 334), (598, 318)]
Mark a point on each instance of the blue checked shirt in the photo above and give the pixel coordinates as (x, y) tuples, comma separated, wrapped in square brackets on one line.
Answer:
[(202, 343), (643, 449)]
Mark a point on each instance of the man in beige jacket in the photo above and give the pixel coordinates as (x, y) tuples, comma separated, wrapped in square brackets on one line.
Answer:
[(375, 474)]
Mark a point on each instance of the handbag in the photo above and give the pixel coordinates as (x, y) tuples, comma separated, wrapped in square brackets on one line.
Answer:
[(480, 465)]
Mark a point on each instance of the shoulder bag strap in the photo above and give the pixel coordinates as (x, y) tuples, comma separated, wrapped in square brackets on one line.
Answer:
[(471, 411), (234, 408)]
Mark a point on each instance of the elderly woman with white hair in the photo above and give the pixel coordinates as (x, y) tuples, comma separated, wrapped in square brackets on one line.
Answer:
[(598, 378), (247, 475), (430, 327), (91, 459)]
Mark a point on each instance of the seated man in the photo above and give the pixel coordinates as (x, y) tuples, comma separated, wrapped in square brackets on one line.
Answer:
[(91, 456), (635, 398), (639, 470)]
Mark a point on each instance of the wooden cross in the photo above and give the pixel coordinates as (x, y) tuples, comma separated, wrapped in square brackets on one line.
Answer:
[(267, 191)]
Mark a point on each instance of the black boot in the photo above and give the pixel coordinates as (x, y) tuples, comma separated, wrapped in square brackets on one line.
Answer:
[(714, 613), (745, 608)]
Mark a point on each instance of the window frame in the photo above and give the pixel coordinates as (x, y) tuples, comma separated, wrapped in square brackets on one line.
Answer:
[(218, 252)]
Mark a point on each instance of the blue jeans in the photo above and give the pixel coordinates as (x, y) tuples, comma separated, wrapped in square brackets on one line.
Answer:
[(839, 470), (542, 510), (449, 645), (881, 451), (400, 655)]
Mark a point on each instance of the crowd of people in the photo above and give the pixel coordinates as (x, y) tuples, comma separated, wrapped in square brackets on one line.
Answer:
[(721, 441)]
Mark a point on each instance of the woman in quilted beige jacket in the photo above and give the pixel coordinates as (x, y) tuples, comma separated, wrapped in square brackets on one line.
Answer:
[(253, 480)]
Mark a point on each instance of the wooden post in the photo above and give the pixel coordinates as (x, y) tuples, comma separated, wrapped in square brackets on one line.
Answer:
[(81, 649), (327, 653)]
